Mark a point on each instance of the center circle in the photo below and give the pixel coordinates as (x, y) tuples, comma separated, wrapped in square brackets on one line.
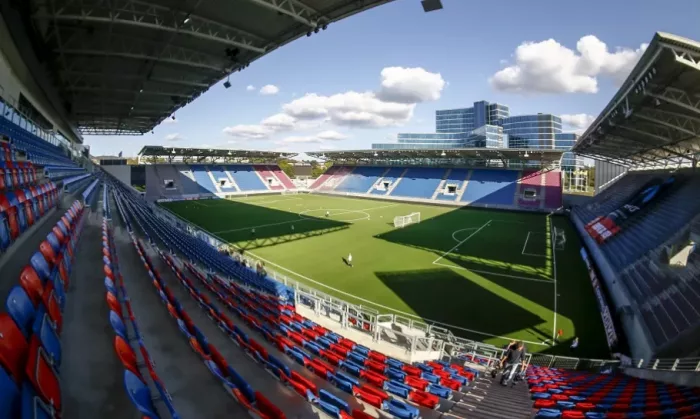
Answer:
[(465, 232), (336, 214)]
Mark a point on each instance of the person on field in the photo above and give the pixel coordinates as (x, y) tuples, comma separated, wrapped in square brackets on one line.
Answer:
[(252, 232), (350, 259), (328, 214)]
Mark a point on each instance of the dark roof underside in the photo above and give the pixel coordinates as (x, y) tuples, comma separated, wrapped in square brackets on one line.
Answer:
[(455, 153), (160, 151), (654, 119), (122, 66)]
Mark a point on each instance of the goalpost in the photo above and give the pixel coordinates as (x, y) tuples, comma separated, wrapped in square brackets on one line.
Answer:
[(404, 220)]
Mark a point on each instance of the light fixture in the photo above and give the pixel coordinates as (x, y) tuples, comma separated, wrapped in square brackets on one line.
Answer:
[(443, 154), (526, 155), (657, 102), (140, 90), (376, 154), (227, 83), (173, 117)]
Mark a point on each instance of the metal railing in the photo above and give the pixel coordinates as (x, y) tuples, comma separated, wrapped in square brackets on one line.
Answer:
[(415, 335)]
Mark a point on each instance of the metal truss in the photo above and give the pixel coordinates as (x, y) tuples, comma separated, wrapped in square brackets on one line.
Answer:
[(109, 131), (151, 16), (142, 49), (101, 86), (681, 98), (180, 81), (685, 56), (295, 9)]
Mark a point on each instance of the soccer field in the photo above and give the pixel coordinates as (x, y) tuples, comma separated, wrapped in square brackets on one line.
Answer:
[(489, 275)]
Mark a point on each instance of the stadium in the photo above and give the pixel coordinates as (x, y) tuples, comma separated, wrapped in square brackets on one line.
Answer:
[(368, 283)]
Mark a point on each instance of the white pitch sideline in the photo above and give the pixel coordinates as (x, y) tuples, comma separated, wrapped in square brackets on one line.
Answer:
[(486, 224)]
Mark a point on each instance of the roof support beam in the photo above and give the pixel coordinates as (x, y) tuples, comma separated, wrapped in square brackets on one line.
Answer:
[(145, 15), (166, 60), (292, 8), (680, 98), (165, 80), (687, 126)]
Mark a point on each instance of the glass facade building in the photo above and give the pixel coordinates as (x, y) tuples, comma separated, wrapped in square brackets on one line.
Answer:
[(490, 125)]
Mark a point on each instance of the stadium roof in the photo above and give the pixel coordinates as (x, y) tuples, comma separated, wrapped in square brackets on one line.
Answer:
[(654, 119), (464, 153), (160, 151), (122, 66)]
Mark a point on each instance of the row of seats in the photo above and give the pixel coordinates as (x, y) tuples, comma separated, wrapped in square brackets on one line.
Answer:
[(664, 298), (196, 249), (481, 187), (325, 400), (173, 181), (577, 394), (234, 384), (37, 150), (135, 382), (20, 209), (258, 313), (56, 173), (30, 349)]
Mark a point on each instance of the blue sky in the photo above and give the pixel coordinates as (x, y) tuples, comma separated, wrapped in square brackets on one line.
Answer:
[(388, 69)]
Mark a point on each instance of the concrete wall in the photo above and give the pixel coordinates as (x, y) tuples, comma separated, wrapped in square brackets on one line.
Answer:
[(122, 173), (606, 173), (20, 71)]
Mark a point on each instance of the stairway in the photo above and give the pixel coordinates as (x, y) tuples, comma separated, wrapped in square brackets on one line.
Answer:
[(487, 398), (396, 182), (213, 180), (441, 186), (460, 193), (516, 197)]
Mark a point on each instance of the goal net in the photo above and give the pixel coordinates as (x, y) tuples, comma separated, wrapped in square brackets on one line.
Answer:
[(404, 220), (559, 238), (290, 192)]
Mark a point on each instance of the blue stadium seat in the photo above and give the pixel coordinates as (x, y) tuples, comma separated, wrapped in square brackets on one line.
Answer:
[(139, 394)]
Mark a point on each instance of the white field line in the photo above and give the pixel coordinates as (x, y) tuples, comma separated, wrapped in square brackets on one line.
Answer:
[(306, 278), (460, 243), (524, 278), (526, 240), (554, 274), (300, 219)]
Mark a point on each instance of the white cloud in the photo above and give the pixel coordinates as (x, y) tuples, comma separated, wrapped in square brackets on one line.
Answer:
[(410, 85), (350, 109), (578, 120), (248, 132), (279, 122), (250, 88), (269, 89), (320, 137), (174, 137), (549, 67), (326, 147)]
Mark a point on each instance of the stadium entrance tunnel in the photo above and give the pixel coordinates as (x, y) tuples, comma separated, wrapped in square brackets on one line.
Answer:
[(443, 295), (250, 226)]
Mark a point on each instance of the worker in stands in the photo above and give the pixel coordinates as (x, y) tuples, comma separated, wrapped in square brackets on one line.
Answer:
[(513, 360)]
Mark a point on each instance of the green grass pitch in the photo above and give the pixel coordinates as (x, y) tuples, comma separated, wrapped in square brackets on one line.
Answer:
[(491, 275)]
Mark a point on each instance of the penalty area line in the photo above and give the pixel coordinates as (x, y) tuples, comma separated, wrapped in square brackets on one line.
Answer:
[(463, 241)]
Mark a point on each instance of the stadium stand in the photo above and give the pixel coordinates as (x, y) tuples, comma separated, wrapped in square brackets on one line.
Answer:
[(419, 182), (279, 173), (246, 178), (203, 178), (269, 178), (510, 189), (573, 394), (360, 180)]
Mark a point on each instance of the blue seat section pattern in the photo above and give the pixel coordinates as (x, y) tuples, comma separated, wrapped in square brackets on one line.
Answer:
[(419, 182), (491, 187), (246, 178), (456, 176), (219, 173), (201, 175), (391, 176), (360, 179)]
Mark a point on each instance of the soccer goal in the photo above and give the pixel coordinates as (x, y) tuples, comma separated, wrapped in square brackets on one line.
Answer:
[(559, 238), (404, 220)]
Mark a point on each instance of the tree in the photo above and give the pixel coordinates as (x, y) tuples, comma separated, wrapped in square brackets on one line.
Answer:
[(317, 169), (287, 167)]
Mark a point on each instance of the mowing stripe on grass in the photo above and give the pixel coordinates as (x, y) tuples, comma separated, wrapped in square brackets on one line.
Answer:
[(300, 219)]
